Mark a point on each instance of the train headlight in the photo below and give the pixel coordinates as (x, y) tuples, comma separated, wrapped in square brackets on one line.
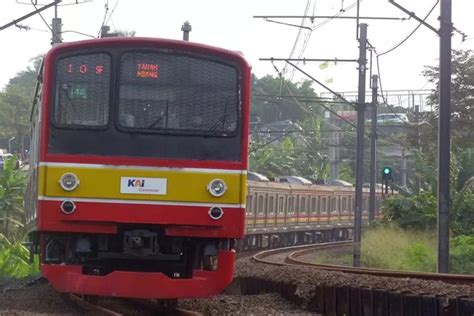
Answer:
[(216, 213), (69, 181), (68, 207), (217, 187)]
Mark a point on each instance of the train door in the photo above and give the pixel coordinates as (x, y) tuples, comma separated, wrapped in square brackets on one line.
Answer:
[(365, 213), (290, 211), (324, 216), (271, 212), (260, 217), (303, 212), (250, 214), (345, 209), (281, 210), (313, 213)]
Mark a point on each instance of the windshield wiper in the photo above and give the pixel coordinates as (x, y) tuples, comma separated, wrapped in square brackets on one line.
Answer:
[(221, 119), (160, 118)]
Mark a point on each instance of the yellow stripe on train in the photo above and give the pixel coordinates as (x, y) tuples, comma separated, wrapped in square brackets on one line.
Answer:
[(105, 183)]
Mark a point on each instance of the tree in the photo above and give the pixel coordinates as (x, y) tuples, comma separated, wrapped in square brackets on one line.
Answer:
[(15, 106), (462, 102)]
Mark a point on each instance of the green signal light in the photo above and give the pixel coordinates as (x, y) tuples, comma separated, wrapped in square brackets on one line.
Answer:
[(386, 170)]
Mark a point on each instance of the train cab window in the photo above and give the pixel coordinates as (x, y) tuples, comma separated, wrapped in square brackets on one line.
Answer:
[(167, 92), (82, 91)]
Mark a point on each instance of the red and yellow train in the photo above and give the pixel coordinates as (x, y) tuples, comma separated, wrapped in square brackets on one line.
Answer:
[(138, 167)]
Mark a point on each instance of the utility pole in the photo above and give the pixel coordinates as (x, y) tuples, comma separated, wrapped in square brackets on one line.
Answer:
[(56, 28), (186, 28), (403, 168), (333, 149), (417, 120), (373, 148), (360, 143), (445, 33)]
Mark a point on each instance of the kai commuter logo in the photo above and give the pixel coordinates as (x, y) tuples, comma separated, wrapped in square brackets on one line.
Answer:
[(135, 185)]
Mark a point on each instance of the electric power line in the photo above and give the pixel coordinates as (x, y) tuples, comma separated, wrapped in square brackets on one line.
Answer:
[(411, 33), (56, 36)]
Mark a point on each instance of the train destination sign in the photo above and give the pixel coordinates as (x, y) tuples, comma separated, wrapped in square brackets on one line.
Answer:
[(147, 70), (77, 91), (85, 69)]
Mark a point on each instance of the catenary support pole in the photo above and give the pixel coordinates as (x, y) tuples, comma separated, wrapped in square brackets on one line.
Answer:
[(360, 143), (445, 32), (373, 148)]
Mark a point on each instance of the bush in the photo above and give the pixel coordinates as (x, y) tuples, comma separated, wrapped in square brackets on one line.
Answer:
[(14, 259), (418, 211), (462, 254)]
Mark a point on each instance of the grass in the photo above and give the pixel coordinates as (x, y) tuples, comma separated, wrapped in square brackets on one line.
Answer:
[(396, 249), (390, 248)]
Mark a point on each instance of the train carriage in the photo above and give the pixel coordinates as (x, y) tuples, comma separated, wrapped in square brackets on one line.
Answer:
[(138, 167), (283, 214)]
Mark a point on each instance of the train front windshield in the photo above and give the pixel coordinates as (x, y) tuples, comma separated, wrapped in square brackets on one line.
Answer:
[(120, 99)]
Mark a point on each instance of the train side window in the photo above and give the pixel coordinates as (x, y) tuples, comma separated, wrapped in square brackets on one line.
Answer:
[(297, 207), (323, 205), (260, 204), (271, 208), (344, 204), (303, 205), (339, 209), (291, 205), (281, 204)]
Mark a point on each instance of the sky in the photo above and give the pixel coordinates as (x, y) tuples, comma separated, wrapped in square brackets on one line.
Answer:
[(230, 24)]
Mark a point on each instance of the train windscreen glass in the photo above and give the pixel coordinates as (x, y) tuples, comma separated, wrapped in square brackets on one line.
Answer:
[(163, 92), (82, 91)]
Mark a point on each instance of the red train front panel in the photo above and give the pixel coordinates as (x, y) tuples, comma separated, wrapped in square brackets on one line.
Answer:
[(141, 167)]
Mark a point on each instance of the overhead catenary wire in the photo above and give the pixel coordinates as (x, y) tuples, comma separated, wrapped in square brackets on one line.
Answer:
[(411, 33), (56, 36), (106, 5)]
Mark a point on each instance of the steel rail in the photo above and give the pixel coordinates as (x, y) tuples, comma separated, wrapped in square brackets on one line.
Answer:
[(150, 305), (82, 302), (293, 259)]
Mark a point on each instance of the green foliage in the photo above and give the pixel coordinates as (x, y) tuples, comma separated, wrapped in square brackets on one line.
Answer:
[(270, 99), (15, 105), (462, 254), (418, 257), (12, 189), (14, 259), (418, 211), (397, 249)]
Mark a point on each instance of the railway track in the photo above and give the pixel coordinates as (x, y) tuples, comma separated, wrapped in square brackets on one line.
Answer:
[(116, 308), (298, 256), (356, 300)]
